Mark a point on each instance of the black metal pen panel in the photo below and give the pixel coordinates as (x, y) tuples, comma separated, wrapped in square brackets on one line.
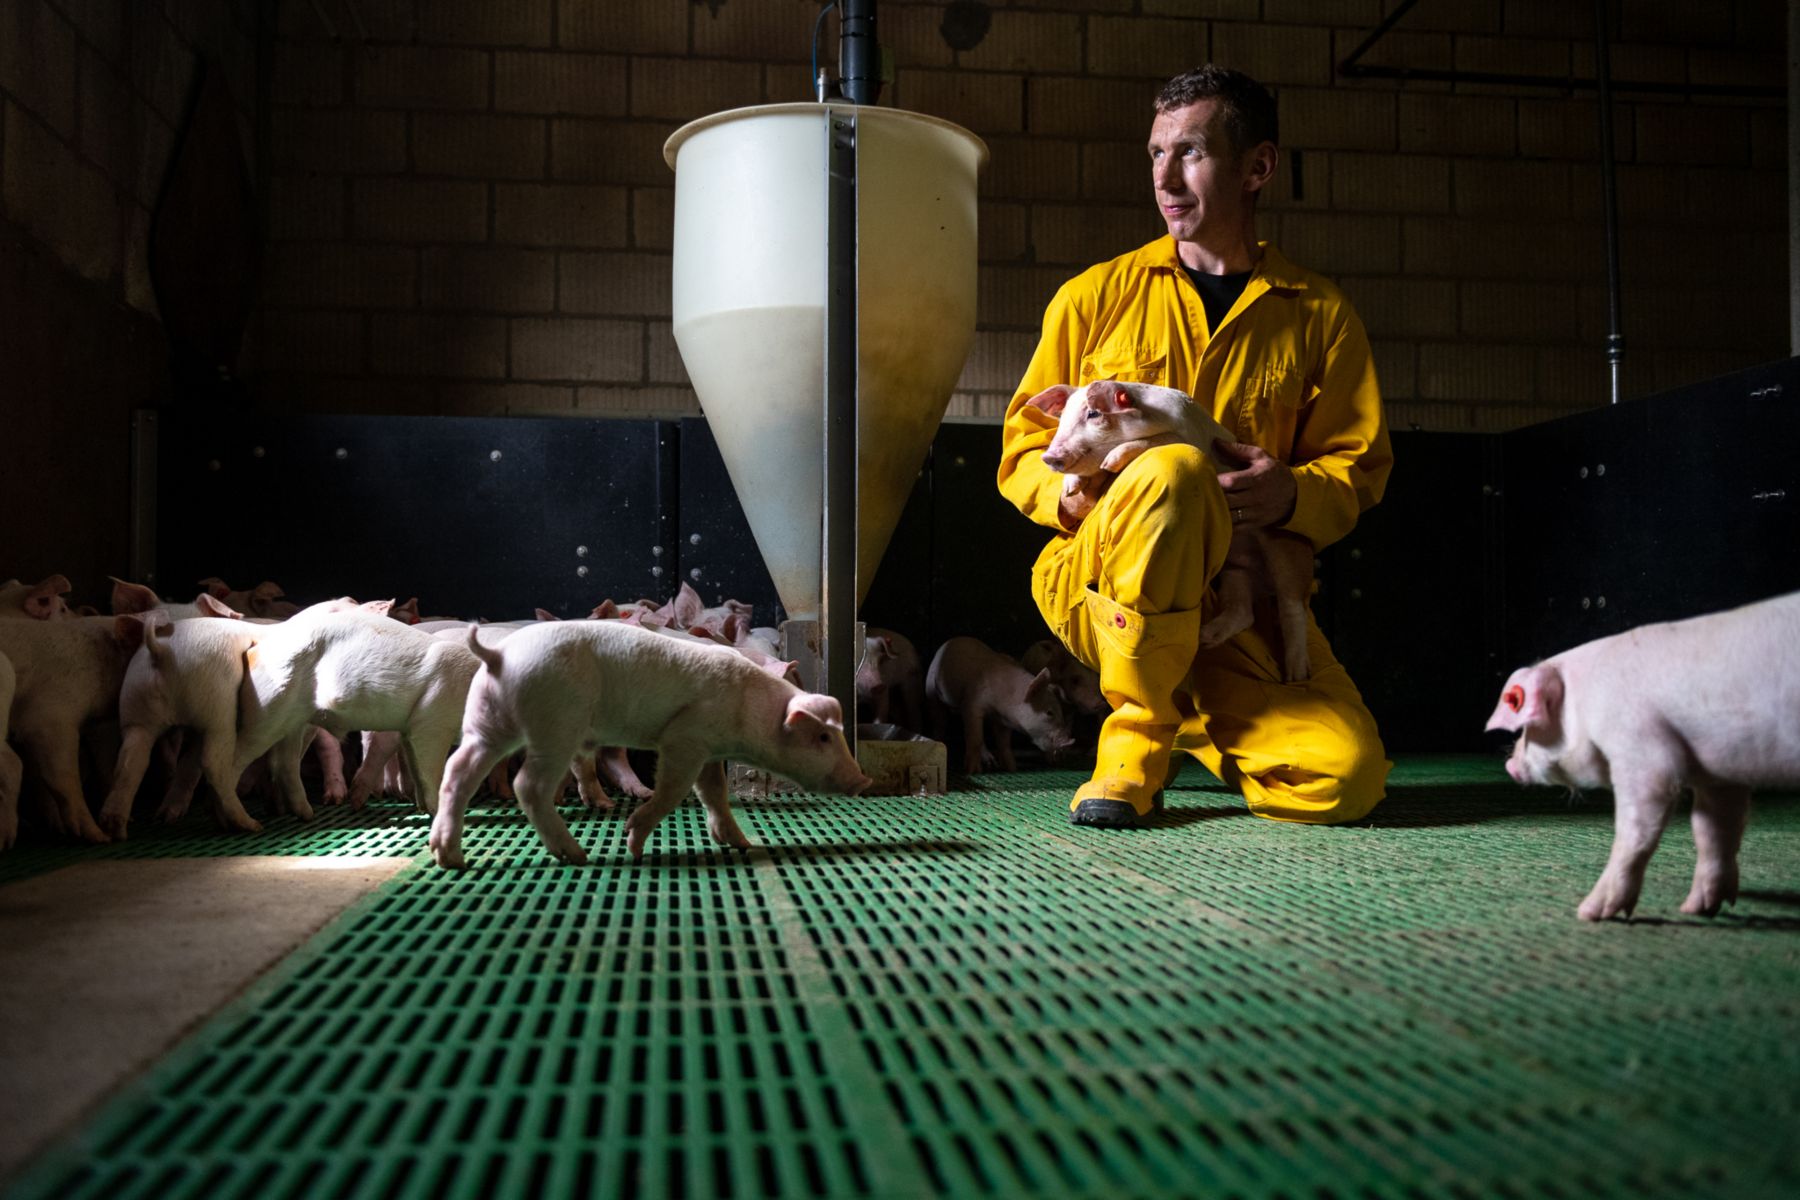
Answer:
[(475, 516)]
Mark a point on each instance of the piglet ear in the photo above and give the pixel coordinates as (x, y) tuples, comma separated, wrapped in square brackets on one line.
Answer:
[(1531, 699), (214, 607), (544, 614), (1050, 401), (605, 610), (814, 707), (131, 597), (215, 587)]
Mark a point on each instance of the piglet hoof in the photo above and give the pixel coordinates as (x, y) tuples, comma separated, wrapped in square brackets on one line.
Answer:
[(571, 854), (636, 834), (728, 833), (1297, 669), (168, 814), (448, 856), (1706, 897), (1608, 899), (240, 821), (87, 831), (9, 831), (334, 796), (114, 824), (304, 811)]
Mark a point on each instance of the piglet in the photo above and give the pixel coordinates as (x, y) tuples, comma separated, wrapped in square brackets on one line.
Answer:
[(980, 682), (66, 674), (890, 680), (345, 666), (1106, 424), (1708, 703), (41, 601), (565, 687), (185, 676), (1078, 682)]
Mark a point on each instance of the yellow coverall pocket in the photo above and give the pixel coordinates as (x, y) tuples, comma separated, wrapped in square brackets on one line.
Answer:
[(1126, 364)]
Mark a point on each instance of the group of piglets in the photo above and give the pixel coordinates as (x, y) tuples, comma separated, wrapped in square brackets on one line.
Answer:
[(220, 690), (1040, 694)]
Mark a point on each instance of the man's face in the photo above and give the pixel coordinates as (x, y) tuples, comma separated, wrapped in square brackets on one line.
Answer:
[(1200, 177)]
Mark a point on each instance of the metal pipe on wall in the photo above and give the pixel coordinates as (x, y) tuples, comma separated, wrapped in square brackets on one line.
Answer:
[(859, 65), (837, 574)]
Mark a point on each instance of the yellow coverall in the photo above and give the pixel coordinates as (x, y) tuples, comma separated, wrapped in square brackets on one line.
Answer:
[(1289, 370)]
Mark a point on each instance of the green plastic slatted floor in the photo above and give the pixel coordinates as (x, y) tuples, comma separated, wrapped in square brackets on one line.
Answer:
[(964, 995)]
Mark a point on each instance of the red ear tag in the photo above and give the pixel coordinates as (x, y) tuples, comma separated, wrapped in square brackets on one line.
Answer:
[(1514, 697)]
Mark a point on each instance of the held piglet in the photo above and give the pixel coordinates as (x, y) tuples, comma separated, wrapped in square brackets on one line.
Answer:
[(66, 673), (1105, 424), (1708, 703), (572, 686), (968, 675), (42, 601), (343, 666), (185, 676)]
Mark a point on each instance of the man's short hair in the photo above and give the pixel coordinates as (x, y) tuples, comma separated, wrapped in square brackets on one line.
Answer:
[(1246, 109)]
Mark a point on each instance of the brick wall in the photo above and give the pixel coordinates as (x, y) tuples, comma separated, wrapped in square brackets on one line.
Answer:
[(92, 93), (470, 212)]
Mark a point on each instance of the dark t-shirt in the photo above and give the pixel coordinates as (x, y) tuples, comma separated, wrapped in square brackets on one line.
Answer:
[(1217, 292)]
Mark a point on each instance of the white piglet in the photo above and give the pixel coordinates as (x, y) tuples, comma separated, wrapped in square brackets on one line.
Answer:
[(66, 674), (567, 687), (344, 666), (1105, 424), (1709, 703), (185, 676)]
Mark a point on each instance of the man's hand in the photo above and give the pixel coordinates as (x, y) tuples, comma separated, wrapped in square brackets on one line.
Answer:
[(1260, 494), (1079, 495)]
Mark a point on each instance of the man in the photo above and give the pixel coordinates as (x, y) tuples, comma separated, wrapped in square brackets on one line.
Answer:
[(1280, 358)]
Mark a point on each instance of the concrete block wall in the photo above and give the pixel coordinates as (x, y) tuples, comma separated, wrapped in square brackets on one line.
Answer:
[(91, 97), (470, 212)]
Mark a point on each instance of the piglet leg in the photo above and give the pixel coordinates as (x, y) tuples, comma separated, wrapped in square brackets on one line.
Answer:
[(587, 781), (1642, 801), (617, 768), (134, 758), (58, 757), (539, 784), (379, 749), (468, 767), (1720, 814), (716, 797), (284, 766), (330, 754), (677, 769)]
